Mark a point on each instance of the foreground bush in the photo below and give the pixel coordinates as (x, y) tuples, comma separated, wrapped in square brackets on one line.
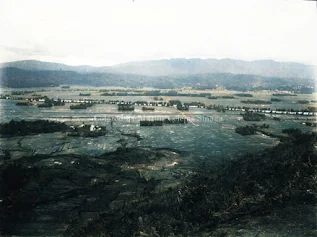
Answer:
[(22, 128)]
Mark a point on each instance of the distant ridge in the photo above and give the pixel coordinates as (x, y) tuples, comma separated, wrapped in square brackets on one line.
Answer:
[(181, 66), (167, 73), (35, 65), (176, 66)]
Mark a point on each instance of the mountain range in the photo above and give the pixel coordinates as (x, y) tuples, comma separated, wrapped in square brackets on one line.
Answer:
[(168, 73), (181, 66)]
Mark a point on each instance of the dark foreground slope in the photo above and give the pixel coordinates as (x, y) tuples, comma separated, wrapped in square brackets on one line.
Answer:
[(126, 193)]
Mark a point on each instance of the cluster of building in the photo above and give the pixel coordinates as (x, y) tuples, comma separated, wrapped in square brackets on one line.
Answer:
[(171, 103), (85, 128)]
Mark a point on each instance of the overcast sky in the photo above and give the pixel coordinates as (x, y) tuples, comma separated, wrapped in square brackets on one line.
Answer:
[(107, 32)]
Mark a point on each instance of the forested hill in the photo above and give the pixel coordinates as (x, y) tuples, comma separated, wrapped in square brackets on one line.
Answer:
[(18, 78)]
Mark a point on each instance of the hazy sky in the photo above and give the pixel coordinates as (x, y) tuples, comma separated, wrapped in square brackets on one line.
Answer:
[(106, 32)]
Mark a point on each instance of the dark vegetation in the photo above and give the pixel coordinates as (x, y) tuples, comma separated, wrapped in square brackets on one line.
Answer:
[(151, 123), (156, 98), (21, 92), (58, 102), (178, 104), (283, 94), (252, 116), (303, 102), (81, 106), (5, 155), (125, 107), (15, 177), (292, 132), (247, 130), (309, 124), (251, 130), (264, 102), (275, 100), (194, 103), (45, 105), (148, 109), (22, 128), (218, 108), (182, 108), (312, 109), (227, 97), (23, 103), (84, 94), (223, 97)]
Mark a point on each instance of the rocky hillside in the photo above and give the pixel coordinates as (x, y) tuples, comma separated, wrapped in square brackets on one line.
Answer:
[(159, 192)]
